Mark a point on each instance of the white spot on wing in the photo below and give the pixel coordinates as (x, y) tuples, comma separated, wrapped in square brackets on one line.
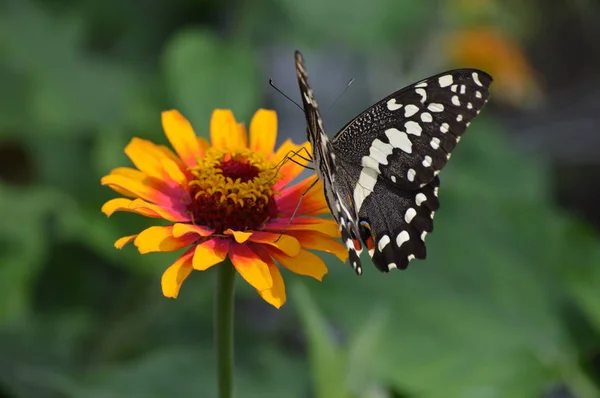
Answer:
[(380, 151), (422, 84), (453, 88), (392, 266), (476, 79), (463, 88), (392, 105), (365, 185), (411, 175), (434, 107), (444, 128), (426, 117), (402, 237), (427, 161), (445, 81), (399, 140), (383, 242), (409, 215), (469, 105), (478, 94), (423, 235), (455, 100), (423, 94), (435, 143), (410, 110), (459, 118), (413, 127), (420, 198), (393, 178), (410, 257)]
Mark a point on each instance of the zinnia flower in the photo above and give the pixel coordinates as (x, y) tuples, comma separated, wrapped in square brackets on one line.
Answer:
[(229, 199)]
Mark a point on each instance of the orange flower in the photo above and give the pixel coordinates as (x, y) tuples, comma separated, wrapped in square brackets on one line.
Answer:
[(226, 200), (502, 57)]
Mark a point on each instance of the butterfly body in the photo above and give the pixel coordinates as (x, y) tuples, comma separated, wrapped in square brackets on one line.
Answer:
[(380, 172)]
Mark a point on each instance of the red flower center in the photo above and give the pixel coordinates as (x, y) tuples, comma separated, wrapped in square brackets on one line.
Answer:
[(233, 191)]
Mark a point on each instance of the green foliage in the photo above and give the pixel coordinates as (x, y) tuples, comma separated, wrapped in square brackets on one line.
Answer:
[(506, 304)]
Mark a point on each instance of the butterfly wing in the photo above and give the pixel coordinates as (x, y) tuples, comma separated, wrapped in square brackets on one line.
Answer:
[(337, 196), (393, 153)]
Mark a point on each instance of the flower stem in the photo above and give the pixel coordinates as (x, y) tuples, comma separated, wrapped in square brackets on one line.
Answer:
[(223, 327)]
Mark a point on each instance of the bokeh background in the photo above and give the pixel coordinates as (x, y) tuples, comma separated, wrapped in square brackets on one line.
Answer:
[(507, 303)]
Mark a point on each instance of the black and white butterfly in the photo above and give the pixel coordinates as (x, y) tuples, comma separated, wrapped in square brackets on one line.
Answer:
[(380, 172)]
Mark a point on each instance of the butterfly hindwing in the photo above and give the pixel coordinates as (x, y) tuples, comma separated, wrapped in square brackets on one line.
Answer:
[(397, 222)]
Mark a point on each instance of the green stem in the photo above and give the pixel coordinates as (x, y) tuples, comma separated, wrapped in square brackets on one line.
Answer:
[(223, 320)]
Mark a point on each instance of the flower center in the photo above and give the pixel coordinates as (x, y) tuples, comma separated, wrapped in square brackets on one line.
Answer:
[(233, 190)]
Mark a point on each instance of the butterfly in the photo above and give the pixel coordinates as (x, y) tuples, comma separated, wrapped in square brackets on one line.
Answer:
[(380, 172)]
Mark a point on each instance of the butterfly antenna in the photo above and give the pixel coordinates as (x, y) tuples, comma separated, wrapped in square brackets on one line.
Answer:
[(282, 93), (341, 94), (296, 210)]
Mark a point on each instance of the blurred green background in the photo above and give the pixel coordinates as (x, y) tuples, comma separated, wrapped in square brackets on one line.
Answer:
[(507, 303)]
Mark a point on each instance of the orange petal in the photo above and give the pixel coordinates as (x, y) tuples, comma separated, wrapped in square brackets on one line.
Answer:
[(145, 187), (305, 263), (181, 229), (243, 134), (174, 276), (239, 236), (173, 171), (289, 170), (263, 132), (316, 241), (209, 253), (324, 225), (124, 240), (310, 200), (275, 295), (146, 156), (249, 265), (224, 131), (182, 137), (122, 204), (287, 244), (144, 208), (160, 239)]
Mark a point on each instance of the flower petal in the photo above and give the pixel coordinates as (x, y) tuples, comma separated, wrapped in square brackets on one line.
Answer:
[(145, 156), (239, 236), (305, 263), (144, 187), (160, 239), (124, 240), (263, 131), (312, 240), (173, 171), (209, 253), (243, 134), (275, 295), (181, 229), (324, 225), (250, 266), (224, 131), (312, 203), (182, 137), (144, 208), (174, 276), (287, 244)]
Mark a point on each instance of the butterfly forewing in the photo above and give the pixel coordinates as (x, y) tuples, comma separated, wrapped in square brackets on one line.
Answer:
[(380, 171), (408, 136), (324, 160)]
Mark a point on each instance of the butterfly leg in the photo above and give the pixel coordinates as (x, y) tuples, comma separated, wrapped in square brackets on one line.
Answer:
[(296, 209)]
